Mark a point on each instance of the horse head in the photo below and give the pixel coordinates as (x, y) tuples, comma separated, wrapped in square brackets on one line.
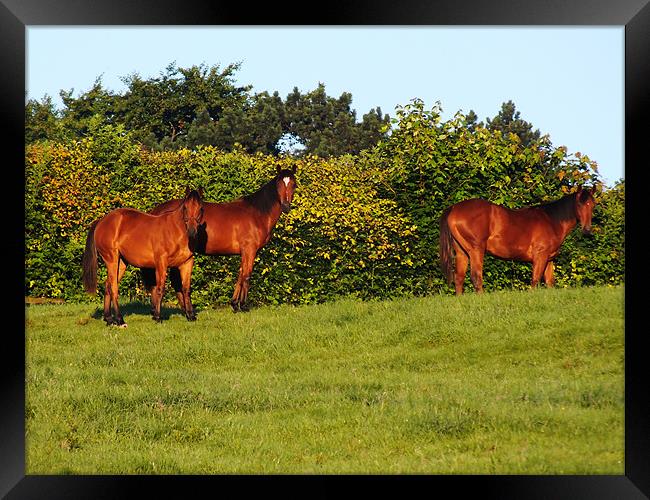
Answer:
[(585, 207), (192, 211), (285, 182)]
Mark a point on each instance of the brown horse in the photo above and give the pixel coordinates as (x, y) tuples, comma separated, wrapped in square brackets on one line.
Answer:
[(530, 234), (128, 236), (240, 227)]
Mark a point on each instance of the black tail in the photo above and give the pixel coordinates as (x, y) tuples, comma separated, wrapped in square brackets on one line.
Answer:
[(89, 262), (446, 249)]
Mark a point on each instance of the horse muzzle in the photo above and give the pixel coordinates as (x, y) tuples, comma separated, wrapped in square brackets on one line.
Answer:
[(587, 230), (286, 207)]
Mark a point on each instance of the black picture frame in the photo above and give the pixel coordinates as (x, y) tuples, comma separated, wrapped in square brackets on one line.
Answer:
[(16, 15)]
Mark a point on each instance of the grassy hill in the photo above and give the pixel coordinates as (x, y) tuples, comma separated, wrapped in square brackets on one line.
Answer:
[(504, 383)]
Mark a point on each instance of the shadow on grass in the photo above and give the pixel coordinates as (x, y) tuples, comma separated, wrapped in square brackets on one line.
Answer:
[(144, 309)]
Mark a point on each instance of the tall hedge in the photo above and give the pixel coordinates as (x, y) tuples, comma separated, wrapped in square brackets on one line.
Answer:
[(339, 239), (364, 225)]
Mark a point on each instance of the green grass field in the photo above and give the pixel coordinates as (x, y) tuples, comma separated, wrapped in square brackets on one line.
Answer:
[(504, 383)]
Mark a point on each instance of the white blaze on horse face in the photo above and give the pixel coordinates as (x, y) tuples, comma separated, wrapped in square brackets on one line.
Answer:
[(286, 180)]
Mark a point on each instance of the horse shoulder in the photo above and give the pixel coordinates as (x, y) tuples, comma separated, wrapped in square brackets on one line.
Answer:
[(546, 233), (546, 223)]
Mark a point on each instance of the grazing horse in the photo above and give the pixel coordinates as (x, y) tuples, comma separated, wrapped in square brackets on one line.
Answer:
[(239, 227), (530, 234), (128, 236)]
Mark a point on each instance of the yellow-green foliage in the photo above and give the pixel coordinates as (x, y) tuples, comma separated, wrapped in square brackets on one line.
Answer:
[(339, 239), (72, 188), (364, 225)]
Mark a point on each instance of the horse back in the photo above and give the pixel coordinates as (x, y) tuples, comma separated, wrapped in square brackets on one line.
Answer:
[(123, 222), (233, 226), (228, 226), (501, 231), (489, 216), (140, 237), (126, 218), (471, 217)]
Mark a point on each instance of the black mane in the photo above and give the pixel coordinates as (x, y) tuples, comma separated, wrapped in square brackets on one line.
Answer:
[(561, 210), (264, 198), (193, 195)]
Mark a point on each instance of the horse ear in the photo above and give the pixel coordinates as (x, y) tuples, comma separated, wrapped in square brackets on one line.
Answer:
[(579, 189), (187, 191), (584, 194), (278, 170), (293, 169), (200, 191)]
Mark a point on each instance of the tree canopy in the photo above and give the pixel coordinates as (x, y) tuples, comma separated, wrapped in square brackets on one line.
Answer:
[(203, 106)]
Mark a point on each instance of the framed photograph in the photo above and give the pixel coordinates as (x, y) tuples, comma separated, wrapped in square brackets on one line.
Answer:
[(632, 16)]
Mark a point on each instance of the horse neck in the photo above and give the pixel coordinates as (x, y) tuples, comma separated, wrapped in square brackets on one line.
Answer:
[(175, 216), (274, 214), (267, 202), (562, 212), (567, 227)]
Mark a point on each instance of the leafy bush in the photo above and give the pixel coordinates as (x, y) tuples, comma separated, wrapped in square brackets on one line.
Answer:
[(340, 238), (363, 225)]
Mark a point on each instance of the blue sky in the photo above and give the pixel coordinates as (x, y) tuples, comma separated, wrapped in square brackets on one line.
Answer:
[(567, 81)]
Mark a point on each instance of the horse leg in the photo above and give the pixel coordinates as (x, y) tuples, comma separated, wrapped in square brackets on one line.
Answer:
[(539, 265), (159, 289), (108, 317), (114, 274), (549, 279), (237, 301), (243, 281), (247, 271), (121, 269), (154, 293), (154, 301), (185, 276), (461, 268), (476, 268), (234, 302), (176, 277)]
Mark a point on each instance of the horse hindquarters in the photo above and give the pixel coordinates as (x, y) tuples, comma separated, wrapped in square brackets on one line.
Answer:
[(115, 269), (451, 251), (114, 272), (469, 228)]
